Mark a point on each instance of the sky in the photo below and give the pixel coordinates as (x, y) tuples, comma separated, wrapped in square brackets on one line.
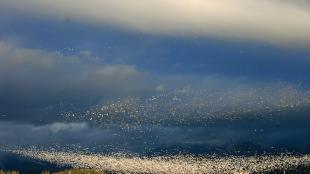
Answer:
[(216, 73)]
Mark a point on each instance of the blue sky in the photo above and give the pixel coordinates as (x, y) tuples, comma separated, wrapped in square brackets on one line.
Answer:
[(64, 56)]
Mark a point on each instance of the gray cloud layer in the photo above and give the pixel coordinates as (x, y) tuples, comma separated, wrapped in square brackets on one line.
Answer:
[(274, 21)]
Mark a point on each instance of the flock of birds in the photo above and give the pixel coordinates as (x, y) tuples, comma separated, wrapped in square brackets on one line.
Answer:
[(118, 163), (187, 106), (182, 107)]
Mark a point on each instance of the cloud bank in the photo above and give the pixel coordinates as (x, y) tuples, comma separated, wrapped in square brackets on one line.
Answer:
[(32, 69), (33, 81), (273, 21), (31, 72)]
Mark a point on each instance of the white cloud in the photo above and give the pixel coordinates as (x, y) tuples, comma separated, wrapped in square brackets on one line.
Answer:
[(58, 127), (278, 22)]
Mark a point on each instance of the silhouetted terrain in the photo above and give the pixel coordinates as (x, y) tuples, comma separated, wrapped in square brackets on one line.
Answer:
[(11, 162)]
